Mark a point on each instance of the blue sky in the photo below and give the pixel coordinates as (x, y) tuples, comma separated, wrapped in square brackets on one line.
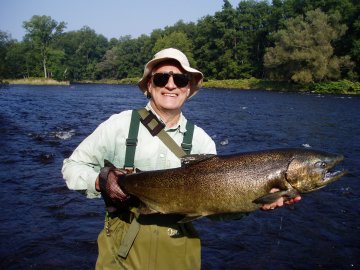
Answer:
[(111, 18)]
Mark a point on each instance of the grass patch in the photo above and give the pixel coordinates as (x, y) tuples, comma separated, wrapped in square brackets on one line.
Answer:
[(112, 81), (253, 84), (36, 81), (337, 87)]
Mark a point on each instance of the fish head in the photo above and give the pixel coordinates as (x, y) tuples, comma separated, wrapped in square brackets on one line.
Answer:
[(309, 170)]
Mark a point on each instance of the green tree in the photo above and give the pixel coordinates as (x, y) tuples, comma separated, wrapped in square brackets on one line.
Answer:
[(42, 31), (19, 61), (5, 42), (83, 50), (303, 51), (178, 40), (16, 60), (349, 11), (126, 59), (352, 38), (189, 29), (231, 44), (215, 44), (253, 24), (355, 50), (229, 62), (55, 64), (107, 68)]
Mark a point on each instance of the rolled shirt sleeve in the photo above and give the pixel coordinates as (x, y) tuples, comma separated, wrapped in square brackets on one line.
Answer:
[(81, 169)]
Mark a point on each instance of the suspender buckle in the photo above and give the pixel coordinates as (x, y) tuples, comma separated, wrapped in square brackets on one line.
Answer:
[(131, 141), (186, 147), (152, 123)]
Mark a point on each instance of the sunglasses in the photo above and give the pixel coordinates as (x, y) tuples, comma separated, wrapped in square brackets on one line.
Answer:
[(161, 79)]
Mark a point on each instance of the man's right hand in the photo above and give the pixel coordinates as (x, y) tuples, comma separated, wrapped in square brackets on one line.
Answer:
[(108, 184)]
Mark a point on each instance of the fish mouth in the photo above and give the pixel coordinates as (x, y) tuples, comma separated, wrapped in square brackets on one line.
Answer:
[(331, 176)]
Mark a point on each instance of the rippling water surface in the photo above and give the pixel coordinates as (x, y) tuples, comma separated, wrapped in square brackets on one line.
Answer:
[(46, 226)]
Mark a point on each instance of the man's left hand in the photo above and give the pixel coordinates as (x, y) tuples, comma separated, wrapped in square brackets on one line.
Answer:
[(280, 202)]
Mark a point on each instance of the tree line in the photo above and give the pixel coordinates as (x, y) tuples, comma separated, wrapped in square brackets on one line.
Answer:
[(300, 41)]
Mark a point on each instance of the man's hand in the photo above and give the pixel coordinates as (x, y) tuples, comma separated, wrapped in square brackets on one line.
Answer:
[(280, 202), (108, 184)]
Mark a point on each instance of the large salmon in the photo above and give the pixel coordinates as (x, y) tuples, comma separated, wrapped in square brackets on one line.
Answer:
[(210, 184)]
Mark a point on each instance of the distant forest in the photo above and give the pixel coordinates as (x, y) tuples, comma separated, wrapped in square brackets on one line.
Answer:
[(301, 41)]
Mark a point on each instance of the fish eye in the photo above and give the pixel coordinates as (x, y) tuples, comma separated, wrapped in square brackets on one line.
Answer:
[(321, 164)]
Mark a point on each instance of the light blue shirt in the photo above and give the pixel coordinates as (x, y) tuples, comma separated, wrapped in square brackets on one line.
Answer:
[(108, 141)]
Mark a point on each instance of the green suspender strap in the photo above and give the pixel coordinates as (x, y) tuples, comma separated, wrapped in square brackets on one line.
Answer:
[(156, 128), (131, 141), (129, 238), (188, 136)]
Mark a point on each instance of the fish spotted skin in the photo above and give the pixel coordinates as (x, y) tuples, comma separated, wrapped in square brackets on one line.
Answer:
[(209, 184)]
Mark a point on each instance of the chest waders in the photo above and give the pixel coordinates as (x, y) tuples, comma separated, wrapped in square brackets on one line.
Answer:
[(156, 128)]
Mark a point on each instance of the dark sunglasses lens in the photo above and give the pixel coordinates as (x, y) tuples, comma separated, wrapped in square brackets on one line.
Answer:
[(161, 79), (181, 80)]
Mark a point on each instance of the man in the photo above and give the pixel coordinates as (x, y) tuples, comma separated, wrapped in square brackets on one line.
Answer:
[(129, 240)]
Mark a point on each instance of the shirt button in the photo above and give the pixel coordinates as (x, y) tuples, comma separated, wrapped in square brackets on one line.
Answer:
[(162, 155)]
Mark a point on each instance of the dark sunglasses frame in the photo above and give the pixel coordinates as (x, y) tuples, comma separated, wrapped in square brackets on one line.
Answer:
[(180, 79)]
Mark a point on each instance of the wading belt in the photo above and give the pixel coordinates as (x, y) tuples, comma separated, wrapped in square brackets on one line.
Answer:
[(156, 128)]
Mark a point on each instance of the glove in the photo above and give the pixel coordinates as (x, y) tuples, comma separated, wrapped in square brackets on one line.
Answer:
[(109, 182)]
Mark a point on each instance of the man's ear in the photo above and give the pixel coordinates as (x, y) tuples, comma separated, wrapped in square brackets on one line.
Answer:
[(149, 86)]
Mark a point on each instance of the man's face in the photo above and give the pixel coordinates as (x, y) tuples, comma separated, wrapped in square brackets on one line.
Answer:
[(170, 96)]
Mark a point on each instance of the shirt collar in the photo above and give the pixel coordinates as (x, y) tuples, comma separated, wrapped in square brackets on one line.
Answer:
[(180, 125)]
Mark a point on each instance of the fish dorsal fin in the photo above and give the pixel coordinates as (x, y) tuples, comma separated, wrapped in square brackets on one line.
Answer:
[(196, 158)]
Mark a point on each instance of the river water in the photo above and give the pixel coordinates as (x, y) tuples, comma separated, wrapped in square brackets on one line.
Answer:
[(46, 226)]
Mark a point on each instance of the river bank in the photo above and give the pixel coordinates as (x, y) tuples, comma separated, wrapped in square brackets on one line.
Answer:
[(35, 81), (335, 87)]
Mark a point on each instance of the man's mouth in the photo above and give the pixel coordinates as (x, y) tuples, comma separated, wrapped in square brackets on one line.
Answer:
[(170, 95)]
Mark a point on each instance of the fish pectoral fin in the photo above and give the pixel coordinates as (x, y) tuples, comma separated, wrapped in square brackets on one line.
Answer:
[(273, 197), (144, 210), (189, 219)]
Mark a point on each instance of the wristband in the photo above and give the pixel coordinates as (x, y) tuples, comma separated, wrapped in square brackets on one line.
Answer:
[(103, 175)]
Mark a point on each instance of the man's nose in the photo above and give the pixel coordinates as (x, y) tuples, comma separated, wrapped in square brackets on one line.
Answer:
[(171, 84)]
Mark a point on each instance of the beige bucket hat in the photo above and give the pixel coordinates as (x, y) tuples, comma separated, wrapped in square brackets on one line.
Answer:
[(168, 54)]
